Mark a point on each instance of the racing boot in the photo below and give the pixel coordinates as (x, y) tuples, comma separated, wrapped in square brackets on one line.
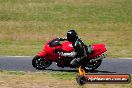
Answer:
[(75, 61)]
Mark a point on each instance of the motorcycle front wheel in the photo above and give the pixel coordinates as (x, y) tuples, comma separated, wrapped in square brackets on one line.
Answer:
[(40, 63)]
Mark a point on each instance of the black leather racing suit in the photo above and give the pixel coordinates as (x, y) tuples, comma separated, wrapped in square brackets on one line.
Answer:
[(79, 49)]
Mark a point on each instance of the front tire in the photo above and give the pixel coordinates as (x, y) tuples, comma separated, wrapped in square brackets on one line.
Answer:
[(40, 63)]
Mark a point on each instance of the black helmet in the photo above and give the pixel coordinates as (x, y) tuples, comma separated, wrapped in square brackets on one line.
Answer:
[(72, 36)]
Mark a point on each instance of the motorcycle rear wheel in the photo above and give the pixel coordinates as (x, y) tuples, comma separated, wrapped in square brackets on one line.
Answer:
[(91, 66), (40, 63)]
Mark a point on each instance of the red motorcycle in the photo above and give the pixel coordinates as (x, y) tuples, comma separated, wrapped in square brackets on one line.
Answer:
[(51, 53)]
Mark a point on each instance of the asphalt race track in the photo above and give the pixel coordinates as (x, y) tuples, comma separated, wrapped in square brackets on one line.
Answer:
[(25, 64)]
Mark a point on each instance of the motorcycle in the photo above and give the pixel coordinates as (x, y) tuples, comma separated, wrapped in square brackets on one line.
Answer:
[(51, 53)]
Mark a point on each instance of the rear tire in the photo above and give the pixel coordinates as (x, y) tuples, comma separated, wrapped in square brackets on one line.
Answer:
[(91, 66), (40, 63)]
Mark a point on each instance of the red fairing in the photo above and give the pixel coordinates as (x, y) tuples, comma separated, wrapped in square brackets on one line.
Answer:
[(98, 49), (48, 52), (42, 54), (67, 46)]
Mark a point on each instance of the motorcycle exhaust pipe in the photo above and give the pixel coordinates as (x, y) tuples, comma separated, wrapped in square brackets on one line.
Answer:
[(98, 58)]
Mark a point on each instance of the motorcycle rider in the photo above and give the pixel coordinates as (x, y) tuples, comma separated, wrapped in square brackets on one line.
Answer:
[(79, 52)]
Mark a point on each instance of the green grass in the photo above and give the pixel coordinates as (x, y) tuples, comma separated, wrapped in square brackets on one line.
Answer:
[(15, 79), (63, 11), (25, 25), (64, 75)]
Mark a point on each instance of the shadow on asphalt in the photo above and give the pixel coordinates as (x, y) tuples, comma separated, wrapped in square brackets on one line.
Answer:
[(95, 71), (98, 71), (63, 70)]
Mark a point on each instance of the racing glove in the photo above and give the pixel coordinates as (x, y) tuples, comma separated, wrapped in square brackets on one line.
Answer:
[(62, 39)]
